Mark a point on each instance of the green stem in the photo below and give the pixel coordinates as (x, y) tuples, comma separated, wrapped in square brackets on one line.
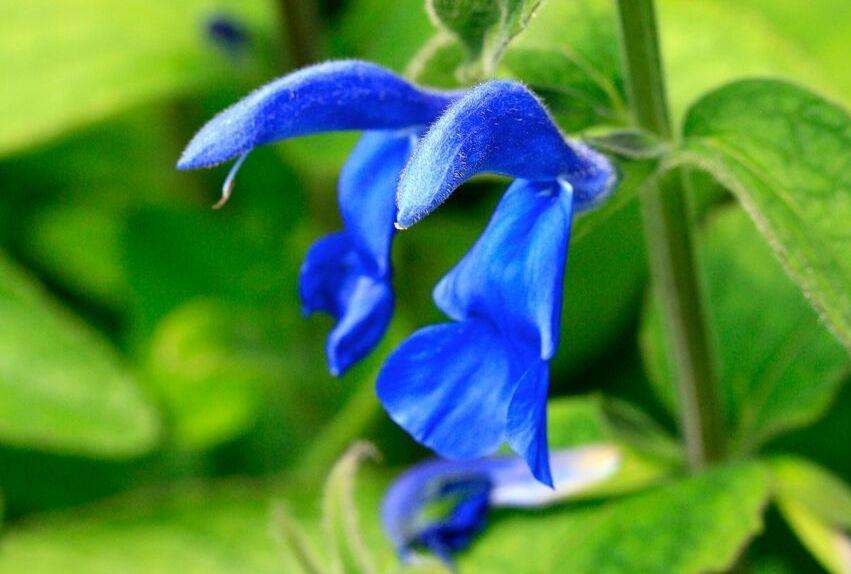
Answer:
[(668, 234), (300, 25)]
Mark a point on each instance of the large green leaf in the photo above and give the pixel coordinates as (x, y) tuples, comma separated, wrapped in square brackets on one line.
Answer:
[(817, 506), (69, 62), (56, 237), (784, 152), (779, 366), (61, 387), (193, 529), (698, 524), (226, 528)]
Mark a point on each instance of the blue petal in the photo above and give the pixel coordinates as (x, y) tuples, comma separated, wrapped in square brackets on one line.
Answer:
[(337, 278), (367, 191), (527, 421), (499, 127), (404, 510), (450, 385), (343, 95), (513, 275), (465, 519)]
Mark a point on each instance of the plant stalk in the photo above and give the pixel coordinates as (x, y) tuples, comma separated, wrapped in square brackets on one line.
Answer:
[(300, 25), (668, 234)]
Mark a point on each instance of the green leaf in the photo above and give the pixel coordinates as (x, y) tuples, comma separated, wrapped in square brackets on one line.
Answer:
[(66, 63), (580, 33), (647, 455), (693, 525), (815, 488), (817, 506), (779, 367), (211, 366), (784, 153), (188, 529), (56, 235), (484, 27), (61, 387)]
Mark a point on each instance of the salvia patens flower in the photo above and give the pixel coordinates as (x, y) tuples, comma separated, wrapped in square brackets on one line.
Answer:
[(440, 505), (465, 388), (346, 274)]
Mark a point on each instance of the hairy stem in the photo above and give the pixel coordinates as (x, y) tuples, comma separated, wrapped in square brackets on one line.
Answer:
[(668, 234)]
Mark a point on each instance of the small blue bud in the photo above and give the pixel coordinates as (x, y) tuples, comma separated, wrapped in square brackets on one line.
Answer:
[(440, 505)]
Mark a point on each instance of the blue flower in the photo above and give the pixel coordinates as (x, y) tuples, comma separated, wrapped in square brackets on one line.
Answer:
[(465, 388), (346, 274), (440, 505)]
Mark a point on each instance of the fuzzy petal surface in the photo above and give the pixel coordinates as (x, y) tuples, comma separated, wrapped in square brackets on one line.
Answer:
[(499, 127), (333, 96)]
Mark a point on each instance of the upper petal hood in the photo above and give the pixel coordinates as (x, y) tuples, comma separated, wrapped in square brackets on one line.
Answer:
[(342, 95), (499, 127)]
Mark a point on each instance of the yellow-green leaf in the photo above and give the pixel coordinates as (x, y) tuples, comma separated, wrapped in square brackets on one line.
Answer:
[(62, 388), (699, 524), (65, 63)]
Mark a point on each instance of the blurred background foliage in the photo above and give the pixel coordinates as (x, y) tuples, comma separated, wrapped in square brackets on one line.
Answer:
[(158, 384)]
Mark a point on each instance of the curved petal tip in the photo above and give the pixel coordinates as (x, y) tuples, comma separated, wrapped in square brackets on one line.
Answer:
[(333, 96), (499, 127)]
